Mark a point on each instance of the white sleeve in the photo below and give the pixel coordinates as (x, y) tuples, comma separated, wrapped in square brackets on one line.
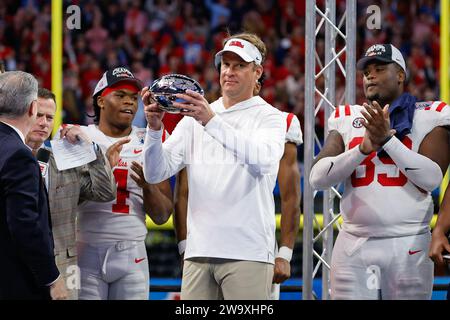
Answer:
[(330, 171), (422, 171), (294, 132), (161, 161), (444, 114), (334, 123), (261, 150)]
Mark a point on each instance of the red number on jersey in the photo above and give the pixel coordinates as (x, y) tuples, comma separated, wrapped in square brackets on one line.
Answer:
[(367, 162), (399, 181), (121, 176), (382, 178)]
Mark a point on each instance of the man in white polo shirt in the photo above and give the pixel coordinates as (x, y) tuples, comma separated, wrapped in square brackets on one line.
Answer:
[(231, 150)]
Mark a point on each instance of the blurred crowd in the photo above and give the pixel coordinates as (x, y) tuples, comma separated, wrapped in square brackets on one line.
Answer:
[(157, 37)]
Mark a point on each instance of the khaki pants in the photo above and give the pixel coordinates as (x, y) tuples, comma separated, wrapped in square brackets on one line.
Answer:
[(216, 279)]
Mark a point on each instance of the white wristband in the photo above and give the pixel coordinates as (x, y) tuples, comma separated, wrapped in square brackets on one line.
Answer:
[(285, 253), (181, 246)]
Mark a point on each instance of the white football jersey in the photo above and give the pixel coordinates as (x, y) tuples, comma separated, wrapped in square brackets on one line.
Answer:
[(293, 129), (123, 218), (379, 201)]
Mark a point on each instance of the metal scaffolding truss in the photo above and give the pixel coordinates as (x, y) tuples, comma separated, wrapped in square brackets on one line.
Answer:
[(320, 94)]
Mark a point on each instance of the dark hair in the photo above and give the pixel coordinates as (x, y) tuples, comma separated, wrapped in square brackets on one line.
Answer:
[(46, 94)]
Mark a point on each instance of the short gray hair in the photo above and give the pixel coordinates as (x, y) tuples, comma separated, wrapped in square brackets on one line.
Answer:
[(18, 90)]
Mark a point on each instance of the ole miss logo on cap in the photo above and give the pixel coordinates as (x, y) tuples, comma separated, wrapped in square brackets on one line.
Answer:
[(236, 44)]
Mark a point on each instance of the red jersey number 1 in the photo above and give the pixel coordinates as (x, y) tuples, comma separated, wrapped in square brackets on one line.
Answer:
[(121, 176)]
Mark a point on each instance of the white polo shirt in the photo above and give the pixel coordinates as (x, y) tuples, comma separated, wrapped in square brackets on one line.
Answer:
[(232, 165)]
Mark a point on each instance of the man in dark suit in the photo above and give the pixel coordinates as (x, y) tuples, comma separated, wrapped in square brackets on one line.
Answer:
[(27, 263), (67, 188)]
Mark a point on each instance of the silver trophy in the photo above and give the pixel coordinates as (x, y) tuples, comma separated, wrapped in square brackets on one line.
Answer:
[(165, 88)]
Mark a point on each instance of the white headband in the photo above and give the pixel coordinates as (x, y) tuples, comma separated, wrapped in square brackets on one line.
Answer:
[(244, 49)]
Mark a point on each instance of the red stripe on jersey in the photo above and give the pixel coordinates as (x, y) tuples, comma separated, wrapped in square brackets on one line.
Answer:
[(336, 112), (441, 106), (164, 136), (289, 121), (347, 109)]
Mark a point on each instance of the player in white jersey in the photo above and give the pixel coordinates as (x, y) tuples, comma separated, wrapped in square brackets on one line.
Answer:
[(390, 160), (112, 254), (290, 194)]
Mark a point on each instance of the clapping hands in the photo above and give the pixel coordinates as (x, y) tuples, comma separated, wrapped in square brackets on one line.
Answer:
[(377, 124)]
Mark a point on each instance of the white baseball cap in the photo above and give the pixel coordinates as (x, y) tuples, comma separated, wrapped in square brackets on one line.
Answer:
[(244, 49), (382, 52)]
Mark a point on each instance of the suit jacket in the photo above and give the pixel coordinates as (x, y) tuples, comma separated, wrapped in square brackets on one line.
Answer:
[(66, 189), (27, 263)]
